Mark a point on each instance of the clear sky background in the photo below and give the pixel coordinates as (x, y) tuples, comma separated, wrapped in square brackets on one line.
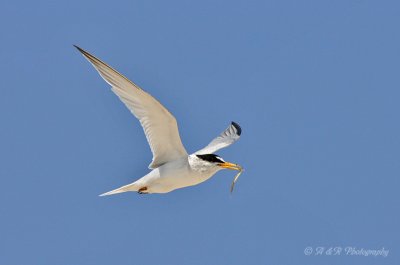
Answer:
[(315, 86)]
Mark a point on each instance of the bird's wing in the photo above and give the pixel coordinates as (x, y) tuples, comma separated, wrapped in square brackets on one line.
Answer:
[(158, 123), (226, 138)]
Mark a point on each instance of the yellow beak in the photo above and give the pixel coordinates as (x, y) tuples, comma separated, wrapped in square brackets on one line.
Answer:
[(228, 165)]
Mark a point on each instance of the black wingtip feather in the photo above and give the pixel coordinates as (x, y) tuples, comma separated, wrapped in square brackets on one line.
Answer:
[(81, 50), (237, 127), (76, 46)]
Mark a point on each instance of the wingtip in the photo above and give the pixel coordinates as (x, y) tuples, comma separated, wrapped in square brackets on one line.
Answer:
[(79, 48), (237, 127), (86, 54)]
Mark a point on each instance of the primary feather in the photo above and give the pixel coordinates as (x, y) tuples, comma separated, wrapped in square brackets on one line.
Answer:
[(158, 123), (226, 138)]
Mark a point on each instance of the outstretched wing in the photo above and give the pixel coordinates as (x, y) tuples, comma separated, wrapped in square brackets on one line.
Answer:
[(158, 123), (226, 138)]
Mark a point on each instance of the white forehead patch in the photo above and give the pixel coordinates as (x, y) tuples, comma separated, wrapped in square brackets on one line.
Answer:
[(220, 158)]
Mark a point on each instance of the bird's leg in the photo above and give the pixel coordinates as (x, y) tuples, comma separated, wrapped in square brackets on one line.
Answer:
[(143, 190)]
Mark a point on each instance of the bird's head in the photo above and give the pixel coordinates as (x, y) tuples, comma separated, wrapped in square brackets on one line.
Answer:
[(215, 161)]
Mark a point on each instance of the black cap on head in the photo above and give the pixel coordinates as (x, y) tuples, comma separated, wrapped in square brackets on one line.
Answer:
[(212, 158)]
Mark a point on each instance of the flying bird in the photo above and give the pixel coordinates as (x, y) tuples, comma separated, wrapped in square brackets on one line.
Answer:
[(171, 168)]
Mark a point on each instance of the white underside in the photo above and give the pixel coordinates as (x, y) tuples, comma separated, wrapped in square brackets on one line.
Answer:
[(168, 177)]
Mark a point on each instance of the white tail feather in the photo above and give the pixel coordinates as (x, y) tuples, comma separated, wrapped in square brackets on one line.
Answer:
[(129, 187)]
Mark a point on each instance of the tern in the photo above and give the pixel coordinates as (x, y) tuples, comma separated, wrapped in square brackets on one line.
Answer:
[(171, 168)]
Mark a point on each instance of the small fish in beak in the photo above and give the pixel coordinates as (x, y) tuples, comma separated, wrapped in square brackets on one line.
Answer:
[(232, 166)]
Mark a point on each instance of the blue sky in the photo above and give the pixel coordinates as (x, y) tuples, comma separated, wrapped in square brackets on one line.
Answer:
[(314, 85)]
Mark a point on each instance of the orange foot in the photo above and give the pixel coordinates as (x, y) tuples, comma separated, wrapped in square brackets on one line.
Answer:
[(143, 190)]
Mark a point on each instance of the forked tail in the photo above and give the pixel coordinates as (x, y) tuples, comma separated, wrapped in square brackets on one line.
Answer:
[(129, 187)]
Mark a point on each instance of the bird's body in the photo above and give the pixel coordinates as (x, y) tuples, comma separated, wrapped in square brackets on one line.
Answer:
[(172, 168), (180, 173)]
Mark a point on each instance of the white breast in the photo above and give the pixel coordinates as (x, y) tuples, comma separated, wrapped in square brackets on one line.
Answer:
[(177, 174)]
